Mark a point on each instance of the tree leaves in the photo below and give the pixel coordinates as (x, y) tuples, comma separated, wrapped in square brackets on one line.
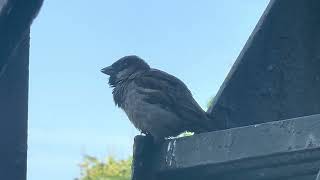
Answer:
[(110, 169)]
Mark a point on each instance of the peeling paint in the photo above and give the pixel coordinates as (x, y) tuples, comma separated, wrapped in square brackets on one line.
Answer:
[(312, 141), (225, 152), (171, 150), (318, 176), (169, 147)]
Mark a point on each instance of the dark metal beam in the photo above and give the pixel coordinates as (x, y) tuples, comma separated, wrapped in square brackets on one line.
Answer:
[(142, 158), (277, 74), (15, 20), (16, 17), (282, 149), (13, 115)]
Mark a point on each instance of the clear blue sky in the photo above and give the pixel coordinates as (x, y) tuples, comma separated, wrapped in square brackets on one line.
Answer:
[(71, 111)]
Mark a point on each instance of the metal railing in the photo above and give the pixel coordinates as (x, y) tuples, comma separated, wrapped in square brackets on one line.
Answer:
[(288, 149)]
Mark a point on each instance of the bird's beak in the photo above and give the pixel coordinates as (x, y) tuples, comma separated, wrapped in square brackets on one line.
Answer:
[(107, 70)]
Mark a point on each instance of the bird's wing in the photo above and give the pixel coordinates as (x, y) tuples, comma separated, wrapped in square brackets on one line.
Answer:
[(171, 93)]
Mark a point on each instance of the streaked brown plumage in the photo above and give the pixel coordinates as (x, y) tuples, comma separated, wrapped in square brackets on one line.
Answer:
[(156, 102)]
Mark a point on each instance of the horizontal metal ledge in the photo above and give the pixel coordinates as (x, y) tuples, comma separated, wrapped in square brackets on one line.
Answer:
[(279, 149)]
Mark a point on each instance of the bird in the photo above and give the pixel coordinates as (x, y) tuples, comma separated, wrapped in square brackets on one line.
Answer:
[(157, 103)]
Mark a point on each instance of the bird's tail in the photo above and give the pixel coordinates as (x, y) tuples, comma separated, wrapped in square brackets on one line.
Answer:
[(211, 123)]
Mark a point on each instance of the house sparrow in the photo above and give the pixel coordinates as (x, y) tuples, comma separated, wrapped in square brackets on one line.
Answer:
[(157, 103)]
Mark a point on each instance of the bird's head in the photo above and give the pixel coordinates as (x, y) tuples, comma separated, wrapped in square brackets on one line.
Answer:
[(123, 68)]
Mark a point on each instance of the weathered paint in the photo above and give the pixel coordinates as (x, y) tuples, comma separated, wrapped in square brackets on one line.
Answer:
[(268, 150)]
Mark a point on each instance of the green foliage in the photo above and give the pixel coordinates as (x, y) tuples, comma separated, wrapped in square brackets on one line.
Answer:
[(110, 169)]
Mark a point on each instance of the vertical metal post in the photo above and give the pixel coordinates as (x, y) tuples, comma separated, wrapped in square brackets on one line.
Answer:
[(14, 113), (15, 19), (142, 158)]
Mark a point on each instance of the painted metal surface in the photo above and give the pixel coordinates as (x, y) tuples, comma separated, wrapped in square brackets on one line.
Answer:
[(283, 149)]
